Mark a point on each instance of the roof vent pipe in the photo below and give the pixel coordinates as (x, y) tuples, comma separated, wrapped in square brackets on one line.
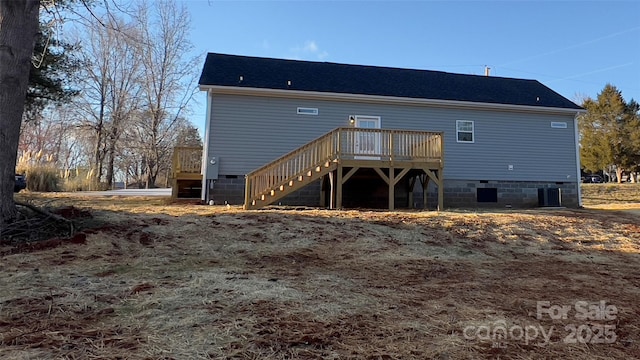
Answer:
[(487, 70)]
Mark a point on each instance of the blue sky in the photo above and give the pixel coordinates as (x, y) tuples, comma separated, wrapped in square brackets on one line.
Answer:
[(574, 47)]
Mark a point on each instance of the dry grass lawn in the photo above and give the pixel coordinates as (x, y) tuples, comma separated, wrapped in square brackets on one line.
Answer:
[(622, 196), (151, 280)]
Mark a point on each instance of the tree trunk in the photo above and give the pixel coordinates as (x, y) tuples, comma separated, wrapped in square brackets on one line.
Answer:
[(99, 150), (18, 29), (97, 157), (110, 166), (111, 153), (150, 179), (619, 174)]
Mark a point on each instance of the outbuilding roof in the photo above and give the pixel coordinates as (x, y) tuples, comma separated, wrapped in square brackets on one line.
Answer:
[(281, 74)]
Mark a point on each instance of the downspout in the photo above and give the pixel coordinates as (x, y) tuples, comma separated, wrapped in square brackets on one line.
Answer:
[(578, 172), (205, 151)]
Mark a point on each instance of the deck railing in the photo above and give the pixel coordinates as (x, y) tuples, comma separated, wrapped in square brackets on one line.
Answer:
[(346, 144), (390, 145), (186, 160)]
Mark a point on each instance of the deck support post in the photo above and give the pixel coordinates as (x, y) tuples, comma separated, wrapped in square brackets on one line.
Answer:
[(338, 182), (392, 188), (391, 181), (247, 193), (424, 181), (174, 188), (332, 190), (440, 191), (436, 176), (323, 191)]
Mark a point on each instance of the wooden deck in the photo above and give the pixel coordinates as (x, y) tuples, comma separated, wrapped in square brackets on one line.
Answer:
[(391, 153), (186, 171)]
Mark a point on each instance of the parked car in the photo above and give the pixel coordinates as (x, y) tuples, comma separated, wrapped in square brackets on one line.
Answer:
[(20, 184), (595, 179), (629, 177)]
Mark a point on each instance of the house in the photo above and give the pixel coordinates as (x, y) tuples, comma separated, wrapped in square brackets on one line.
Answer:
[(328, 134)]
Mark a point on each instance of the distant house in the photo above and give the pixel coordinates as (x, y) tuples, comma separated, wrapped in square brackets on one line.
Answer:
[(338, 135)]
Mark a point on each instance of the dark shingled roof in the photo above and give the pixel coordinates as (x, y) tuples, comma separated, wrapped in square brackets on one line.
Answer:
[(266, 73)]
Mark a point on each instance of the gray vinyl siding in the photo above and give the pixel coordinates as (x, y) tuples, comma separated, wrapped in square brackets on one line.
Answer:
[(249, 131)]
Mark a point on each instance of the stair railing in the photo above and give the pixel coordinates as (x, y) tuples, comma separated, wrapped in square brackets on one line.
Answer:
[(292, 165)]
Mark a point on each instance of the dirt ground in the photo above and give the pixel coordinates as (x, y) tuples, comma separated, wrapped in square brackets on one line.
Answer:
[(150, 280)]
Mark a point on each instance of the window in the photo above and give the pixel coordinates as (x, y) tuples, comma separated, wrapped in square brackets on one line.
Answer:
[(307, 111), (464, 129)]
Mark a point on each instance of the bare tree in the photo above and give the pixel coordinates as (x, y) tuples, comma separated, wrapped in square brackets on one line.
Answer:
[(112, 89), (51, 131), (124, 91), (71, 154), (119, 102), (18, 29), (137, 86), (168, 81), (94, 105)]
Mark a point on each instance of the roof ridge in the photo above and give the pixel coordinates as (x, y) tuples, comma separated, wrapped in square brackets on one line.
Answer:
[(366, 66)]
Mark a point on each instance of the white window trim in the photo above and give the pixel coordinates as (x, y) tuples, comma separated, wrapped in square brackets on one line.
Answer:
[(559, 125), (377, 119), (307, 111), (376, 137), (473, 132)]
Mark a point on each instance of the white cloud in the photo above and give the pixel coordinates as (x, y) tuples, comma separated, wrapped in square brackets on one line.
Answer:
[(309, 50), (310, 46)]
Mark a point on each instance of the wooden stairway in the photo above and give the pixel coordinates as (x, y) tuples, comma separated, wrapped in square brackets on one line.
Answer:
[(344, 147), (292, 171), (186, 174)]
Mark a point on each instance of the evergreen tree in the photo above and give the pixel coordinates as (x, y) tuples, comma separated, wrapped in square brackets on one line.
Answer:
[(634, 113), (188, 135), (52, 72), (608, 131)]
